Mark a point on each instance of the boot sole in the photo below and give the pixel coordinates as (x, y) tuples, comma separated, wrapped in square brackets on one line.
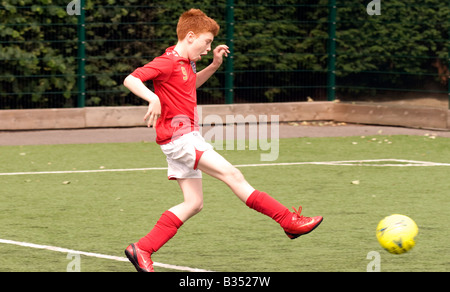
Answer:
[(133, 259), (294, 236)]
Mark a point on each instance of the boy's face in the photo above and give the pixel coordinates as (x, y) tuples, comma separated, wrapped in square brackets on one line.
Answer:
[(200, 45)]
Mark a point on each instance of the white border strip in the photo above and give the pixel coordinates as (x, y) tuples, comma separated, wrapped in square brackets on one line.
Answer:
[(372, 162), (96, 255)]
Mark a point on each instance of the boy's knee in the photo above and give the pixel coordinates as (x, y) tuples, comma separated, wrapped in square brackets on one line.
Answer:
[(196, 207), (234, 174)]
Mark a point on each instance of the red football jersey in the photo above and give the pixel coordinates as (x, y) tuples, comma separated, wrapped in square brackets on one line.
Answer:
[(174, 79)]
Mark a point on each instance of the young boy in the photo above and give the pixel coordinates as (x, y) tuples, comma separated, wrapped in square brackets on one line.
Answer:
[(172, 111)]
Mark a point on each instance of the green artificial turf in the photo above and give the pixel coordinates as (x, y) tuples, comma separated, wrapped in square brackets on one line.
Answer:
[(102, 212)]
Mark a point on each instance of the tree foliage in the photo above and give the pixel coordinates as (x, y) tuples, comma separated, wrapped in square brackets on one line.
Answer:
[(280, 48), (401, 48), (33, 43)]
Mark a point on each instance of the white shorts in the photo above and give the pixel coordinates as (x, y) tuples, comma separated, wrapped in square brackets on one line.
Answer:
[(183, 155)]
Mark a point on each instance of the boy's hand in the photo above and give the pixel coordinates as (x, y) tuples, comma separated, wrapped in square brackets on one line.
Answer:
[(153, 113), (219, 52), (206, 73)]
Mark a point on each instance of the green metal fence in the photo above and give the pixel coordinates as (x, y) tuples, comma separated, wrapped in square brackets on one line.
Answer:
[(77, 53)]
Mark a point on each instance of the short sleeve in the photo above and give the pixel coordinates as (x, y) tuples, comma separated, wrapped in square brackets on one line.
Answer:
[(159, 69)]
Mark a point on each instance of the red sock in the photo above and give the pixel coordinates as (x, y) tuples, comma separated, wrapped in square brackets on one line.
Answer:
[(166, 228), (267, 205)]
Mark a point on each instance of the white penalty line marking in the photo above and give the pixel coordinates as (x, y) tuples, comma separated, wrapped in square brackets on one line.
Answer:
[(372, 162), (96, 255)]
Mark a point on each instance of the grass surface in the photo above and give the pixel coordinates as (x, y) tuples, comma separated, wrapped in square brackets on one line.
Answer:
[(104, 212)]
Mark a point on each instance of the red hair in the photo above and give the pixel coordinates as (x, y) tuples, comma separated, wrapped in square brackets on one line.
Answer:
[(196, 21)]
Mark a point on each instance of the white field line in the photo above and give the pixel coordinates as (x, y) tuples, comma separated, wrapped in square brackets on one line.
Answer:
[(372, 162), (96, 255), (82, 171)]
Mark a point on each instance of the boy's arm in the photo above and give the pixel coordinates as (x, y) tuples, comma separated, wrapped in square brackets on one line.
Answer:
[(136, 86), (206, 73)]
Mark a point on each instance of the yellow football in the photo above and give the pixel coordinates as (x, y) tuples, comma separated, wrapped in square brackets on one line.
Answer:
[(396, 233)]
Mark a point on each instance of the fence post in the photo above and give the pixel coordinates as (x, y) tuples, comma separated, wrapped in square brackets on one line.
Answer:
[(81, 75), (448, 60), (229, 73), (331, 73)]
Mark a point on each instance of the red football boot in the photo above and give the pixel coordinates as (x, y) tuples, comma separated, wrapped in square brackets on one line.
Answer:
[(301, 225), (139, 258)]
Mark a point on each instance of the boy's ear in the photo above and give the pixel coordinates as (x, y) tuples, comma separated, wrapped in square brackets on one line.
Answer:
[(191, 36)]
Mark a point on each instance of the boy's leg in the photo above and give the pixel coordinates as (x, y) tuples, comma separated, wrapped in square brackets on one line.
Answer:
[(213, 164), (164, 229), (168, 225), (139, 253), (293, 224), (216, 166), (193, 198)]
